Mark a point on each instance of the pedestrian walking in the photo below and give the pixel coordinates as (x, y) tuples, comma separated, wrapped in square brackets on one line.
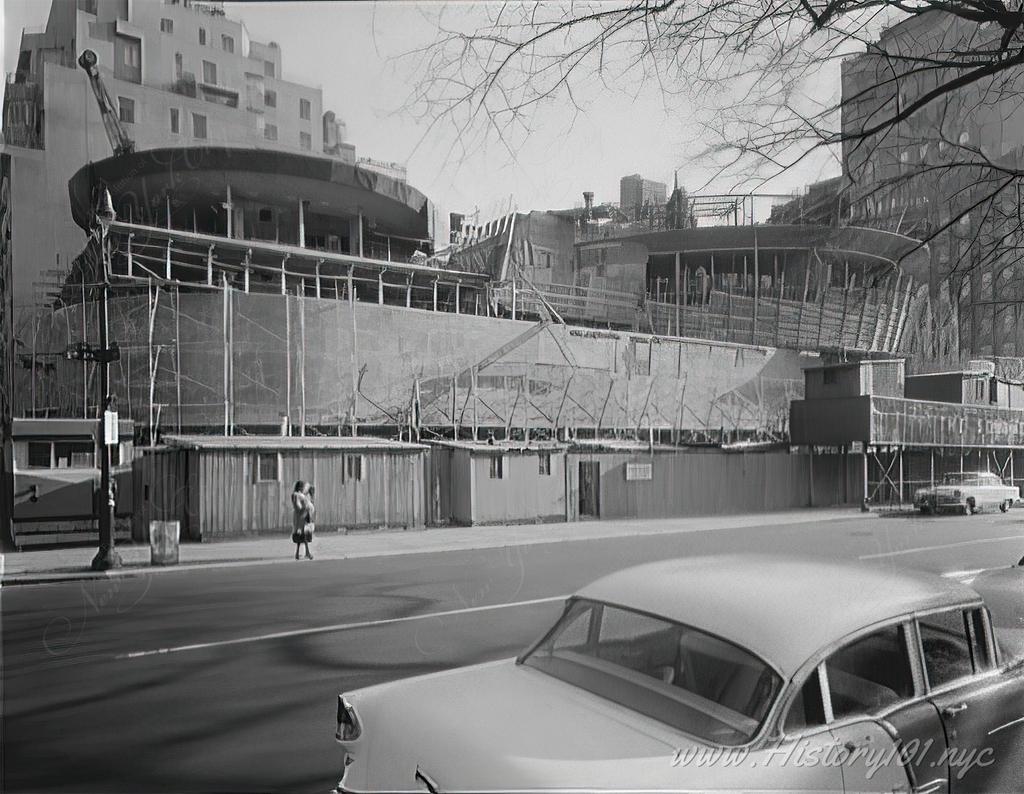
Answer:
[(302, 507), (310, 528)]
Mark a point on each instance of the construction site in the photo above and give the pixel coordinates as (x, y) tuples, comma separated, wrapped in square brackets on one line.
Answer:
[(249, 292), (222, 330)]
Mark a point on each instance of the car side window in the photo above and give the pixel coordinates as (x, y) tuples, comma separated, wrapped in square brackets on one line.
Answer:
[(870, 673), (576, 634), (946, 647), (807, 709)]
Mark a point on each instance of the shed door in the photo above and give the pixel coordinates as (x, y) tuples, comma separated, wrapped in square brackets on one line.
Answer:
[(590, 479)]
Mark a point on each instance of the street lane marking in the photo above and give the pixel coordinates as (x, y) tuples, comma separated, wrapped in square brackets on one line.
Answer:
[(919, 549), (366, 624)]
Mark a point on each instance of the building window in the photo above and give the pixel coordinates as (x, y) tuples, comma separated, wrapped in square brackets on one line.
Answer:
[(202, 35), (354, 467), (167, 25), (267, 467), (198, 125), (209, 73), (270, 98), (228, 43), (39, 454), (304, 109), (175, 121), (126, 109), (544, 463), (497, 471), (74, 454), (128, 59), (305, 141), (178, 68), (268, 69), (266, 215), (270, 132)]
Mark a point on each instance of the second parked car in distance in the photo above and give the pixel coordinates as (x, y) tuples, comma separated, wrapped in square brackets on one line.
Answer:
[(967, 492)]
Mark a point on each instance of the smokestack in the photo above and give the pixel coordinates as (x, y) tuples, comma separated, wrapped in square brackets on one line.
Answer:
[(588, 203)]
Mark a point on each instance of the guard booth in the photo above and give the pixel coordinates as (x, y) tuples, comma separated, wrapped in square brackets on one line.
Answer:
[(904, 444), (56, 481)]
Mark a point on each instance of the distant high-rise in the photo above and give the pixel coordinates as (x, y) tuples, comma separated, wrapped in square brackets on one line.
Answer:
[(635, 193), (180, 74)]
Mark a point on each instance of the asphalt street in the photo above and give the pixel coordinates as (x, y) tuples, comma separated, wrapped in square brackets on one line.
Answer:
[(225, 679)]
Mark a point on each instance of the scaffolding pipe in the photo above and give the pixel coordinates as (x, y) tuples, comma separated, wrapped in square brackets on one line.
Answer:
[(288, 361), (177, 351), (678, 288), (302, 368), (354, 354)]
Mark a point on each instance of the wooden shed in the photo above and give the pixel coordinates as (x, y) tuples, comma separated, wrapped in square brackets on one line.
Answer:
[(236, 486), (626, 479), (506, 482)]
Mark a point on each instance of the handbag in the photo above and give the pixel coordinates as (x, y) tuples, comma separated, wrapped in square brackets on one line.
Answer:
[(298, 536)]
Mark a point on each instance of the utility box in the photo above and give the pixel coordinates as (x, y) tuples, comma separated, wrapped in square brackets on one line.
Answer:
[(163, 542)]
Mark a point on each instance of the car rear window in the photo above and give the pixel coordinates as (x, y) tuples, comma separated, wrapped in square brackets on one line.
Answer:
[(677, 674)]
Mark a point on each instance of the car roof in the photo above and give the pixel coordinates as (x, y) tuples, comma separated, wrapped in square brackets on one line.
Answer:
[(783, 608)]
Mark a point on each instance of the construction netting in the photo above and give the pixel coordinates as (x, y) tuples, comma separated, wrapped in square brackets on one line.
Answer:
[(227, 359)]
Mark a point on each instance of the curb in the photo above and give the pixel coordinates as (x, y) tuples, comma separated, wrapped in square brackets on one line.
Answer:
[(136, 571)]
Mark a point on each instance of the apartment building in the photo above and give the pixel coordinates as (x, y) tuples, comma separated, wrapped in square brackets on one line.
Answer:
[(928, 176), (635, 193), (179, 73)]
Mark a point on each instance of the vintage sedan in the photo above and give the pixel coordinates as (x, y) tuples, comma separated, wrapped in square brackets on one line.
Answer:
[(710, 674), (967, 493)]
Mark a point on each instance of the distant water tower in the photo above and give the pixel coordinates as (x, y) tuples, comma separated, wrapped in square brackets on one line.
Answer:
[(588, 203)]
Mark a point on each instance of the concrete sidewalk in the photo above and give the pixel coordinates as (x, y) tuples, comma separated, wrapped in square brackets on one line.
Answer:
[(56, 565)]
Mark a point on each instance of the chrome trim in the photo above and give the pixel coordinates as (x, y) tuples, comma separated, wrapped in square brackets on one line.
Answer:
[(826, 693), (931, 786), (1006, 725)]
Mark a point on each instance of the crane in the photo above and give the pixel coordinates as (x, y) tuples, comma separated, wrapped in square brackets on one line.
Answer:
[(120, 141)]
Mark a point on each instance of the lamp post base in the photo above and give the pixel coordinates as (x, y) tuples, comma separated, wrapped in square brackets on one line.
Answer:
[(105, 559)]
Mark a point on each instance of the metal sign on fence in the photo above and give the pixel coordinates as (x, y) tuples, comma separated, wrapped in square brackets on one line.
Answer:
[(639, 471)]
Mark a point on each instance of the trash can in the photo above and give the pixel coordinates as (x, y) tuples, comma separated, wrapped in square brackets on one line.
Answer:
[(163, 542)]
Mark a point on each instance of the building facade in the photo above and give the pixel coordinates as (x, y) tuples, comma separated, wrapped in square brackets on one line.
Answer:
[(178, 73), (635, 193), (936, 175)]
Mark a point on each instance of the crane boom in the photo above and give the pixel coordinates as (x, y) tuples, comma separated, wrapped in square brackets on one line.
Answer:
[(120, 141)]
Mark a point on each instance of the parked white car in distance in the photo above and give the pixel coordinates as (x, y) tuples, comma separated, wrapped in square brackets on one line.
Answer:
[(967, 492)]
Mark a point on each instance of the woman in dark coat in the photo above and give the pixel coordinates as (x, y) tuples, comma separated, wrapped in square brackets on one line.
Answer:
[(302, 510)]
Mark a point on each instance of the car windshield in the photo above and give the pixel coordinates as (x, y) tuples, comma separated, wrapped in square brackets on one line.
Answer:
[(679, 675), (972, 478)]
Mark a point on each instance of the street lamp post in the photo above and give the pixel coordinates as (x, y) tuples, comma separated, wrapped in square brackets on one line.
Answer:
[(107, 556)]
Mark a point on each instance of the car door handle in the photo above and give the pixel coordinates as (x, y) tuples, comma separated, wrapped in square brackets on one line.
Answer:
[(852, 745), (952, 711)]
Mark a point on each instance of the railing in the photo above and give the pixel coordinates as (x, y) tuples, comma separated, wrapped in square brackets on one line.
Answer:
[(859, 319), (185, 85), (573, 303)]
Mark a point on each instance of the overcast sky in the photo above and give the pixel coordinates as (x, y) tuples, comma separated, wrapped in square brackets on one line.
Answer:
[(351, 51)]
